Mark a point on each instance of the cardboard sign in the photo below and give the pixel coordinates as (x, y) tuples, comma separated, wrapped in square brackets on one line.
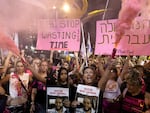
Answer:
[(136, 41), (59, 34)]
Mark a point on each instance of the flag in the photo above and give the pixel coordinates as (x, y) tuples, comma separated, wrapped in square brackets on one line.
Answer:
[(7, 43), (89, 47), (16, 40), (83, 50)]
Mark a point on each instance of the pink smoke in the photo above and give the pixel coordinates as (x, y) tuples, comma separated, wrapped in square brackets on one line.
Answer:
[(17, 15), (7, 43), (145, 12), (20, 15), (128, 12)]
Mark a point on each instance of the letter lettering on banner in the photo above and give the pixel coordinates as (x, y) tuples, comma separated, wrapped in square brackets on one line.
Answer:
[(103, 26), (59, 34), (111, 26), (44, 36), (129, 39), (146, 22), (57, 45), (134, 41), (105, 36), (146, 41)]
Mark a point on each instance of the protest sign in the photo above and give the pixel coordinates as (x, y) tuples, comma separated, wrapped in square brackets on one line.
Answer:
[(136, 41), (58, 34)]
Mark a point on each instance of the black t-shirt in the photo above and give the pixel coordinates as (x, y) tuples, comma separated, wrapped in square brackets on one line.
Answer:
[(133, 102), (41, 92)]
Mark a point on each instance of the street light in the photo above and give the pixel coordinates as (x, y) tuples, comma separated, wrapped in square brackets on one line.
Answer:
[(54, 7), (66, 7)]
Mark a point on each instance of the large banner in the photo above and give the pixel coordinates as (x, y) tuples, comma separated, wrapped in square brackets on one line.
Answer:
[(59, 34), (136, 41)]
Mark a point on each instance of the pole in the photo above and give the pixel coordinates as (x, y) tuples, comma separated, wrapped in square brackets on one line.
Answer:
[(83, 39), (106, 6)]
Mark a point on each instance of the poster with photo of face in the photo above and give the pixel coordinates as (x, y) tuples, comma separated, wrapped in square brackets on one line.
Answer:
[(57, 100), (87, 98)]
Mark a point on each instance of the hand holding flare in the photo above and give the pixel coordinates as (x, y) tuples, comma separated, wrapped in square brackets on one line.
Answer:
[(113, 53)]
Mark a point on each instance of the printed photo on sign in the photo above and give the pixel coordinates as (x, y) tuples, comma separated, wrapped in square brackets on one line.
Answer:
[(57, 100), (87, 98)]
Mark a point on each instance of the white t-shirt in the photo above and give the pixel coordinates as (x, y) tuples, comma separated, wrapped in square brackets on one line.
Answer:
[(112, 90), (15, 87), (80, 110), (54, 110)]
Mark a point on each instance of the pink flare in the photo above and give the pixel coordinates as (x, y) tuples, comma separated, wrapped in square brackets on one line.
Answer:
[(128, 12), (7, 43), (114, 53)]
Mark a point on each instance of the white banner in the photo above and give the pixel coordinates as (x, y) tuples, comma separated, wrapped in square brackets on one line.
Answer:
[(88, 90), (58, 91)]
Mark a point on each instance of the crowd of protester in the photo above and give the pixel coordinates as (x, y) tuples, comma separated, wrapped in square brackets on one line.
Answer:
[(124, 83)]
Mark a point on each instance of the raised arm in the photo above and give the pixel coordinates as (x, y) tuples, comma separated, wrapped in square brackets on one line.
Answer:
[(3, 82), (77, 60), (100, 66), (102, 82), (125, 68), (51, 56), (35, 73), (6, 63)]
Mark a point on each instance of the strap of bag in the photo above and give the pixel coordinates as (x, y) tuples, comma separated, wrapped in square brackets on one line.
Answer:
[(22, 84)]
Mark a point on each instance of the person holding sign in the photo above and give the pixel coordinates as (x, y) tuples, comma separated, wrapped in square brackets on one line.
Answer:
[(89, 79), (89, 76)]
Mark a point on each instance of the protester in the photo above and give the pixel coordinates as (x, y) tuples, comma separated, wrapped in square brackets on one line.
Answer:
[(133, 96), (18, 87), (38, 95), (112, 91), (147, 93), (88, 78), (147, 99)]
